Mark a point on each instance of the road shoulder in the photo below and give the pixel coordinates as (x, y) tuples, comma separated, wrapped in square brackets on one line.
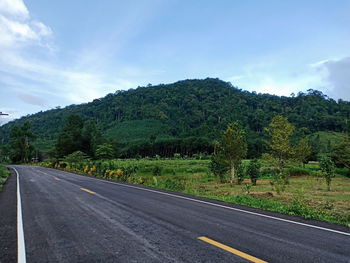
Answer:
[(8, 220)]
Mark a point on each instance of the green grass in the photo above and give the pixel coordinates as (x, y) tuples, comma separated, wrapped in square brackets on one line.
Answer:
[(4, 173), (306, 194)]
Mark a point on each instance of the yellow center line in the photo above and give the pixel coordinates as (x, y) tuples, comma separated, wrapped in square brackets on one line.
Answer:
[(56, 179), (87, 190), (232, 250)]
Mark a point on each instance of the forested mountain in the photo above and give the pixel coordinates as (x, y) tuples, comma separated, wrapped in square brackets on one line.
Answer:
[(187, 116)]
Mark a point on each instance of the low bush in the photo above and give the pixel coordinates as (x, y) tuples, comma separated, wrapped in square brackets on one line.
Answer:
[(267, 172), (175, 184), (298, 171), (343, 171), (157, 170)]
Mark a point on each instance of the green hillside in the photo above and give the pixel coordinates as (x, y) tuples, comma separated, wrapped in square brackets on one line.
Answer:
[(189, 112)]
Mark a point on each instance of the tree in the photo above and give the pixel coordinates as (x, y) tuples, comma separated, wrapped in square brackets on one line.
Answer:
[(231, 149), (281, 150), (104, 151), (91, 137), (20, 147), (328, 169), (341, 153), (253, 170), (76, 157), (218, 167), (70, 139), (303, 151)]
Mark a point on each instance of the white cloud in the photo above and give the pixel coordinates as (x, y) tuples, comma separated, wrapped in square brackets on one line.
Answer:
[(14, 8), (82, 87), (336, 75), (72, 85), (33, 76), (17, 28), (331, 76), (19, 34), (32, 99)]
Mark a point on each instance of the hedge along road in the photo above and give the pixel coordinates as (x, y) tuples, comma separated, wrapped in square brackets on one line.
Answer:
[(72, 218)]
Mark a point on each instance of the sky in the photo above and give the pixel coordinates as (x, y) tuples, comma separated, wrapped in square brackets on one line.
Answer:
[(57, 53)]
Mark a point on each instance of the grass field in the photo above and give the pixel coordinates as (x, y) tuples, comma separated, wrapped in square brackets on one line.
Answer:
[(306, 195), (4, 173)]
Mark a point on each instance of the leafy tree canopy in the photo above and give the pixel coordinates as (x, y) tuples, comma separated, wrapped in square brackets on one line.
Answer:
[(165, 115)]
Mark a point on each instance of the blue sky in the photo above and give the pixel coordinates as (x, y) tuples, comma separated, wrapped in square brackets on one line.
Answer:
[(56, 53)]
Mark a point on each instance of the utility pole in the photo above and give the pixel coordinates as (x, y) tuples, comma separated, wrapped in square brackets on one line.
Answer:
[(3, 114), (2, 140)]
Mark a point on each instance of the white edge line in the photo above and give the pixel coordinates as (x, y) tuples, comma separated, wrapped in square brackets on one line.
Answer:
[(21, 249), (217, 205)]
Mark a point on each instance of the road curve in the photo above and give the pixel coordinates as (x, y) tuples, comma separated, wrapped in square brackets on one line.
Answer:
[(72, 218)]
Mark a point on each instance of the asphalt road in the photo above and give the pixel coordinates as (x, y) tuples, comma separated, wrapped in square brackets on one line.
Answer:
[(72, 218)]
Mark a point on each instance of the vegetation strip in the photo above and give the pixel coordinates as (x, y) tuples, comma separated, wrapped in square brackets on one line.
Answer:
[(4, 174), (232, 250), (20, 233)]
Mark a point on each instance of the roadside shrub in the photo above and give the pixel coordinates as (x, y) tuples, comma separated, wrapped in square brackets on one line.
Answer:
[(63, 165), (119, 172), (175, 184), (128, 172), (4, 173), (177, 156), (279, 183), (155, 181), (157, 170), (328, 169), (300, 208)]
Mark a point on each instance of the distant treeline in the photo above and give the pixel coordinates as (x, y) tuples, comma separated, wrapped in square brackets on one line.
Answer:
[(186, 117), (168, 148)]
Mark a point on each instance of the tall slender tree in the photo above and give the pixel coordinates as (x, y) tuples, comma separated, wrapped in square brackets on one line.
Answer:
[(232, 148), (21, 148), (70, 138), (281, 150), (303, 151), (91, 137)]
